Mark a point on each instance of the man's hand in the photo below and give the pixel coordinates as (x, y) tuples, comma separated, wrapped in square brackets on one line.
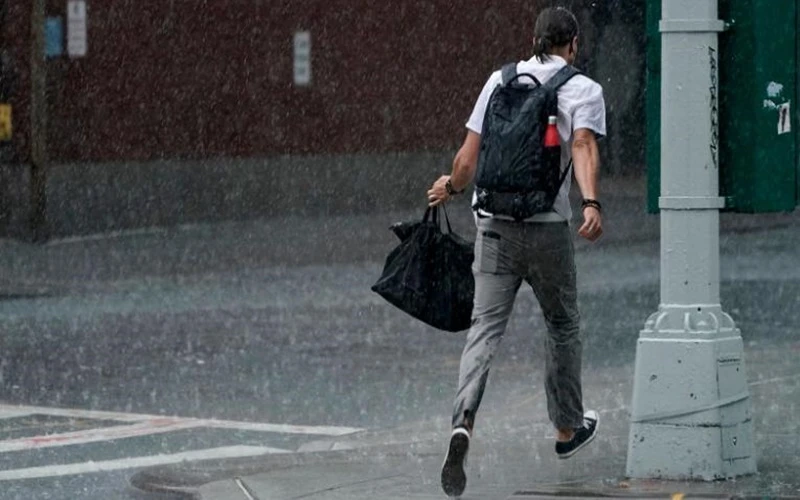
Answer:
[(592, 227), (437, 194)]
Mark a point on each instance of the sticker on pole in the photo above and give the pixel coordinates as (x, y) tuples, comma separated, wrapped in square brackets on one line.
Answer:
[(785, 118)]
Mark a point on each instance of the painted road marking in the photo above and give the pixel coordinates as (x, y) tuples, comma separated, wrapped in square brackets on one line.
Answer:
[(773, 380), (136, 462), (137, 425), (96, 435), (321, 430), (7, 414)]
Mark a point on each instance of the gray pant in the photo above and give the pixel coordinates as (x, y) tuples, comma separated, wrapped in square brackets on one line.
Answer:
[(542, 254)]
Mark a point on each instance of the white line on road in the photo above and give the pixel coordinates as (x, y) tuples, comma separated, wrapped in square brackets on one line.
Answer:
[(137, 462), (219, 424), (776, 379), (88, 414), (96, 435), (281, 428), (8, 414)]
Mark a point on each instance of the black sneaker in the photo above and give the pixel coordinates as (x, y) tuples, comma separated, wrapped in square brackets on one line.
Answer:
[(454, 479), (583, 436)]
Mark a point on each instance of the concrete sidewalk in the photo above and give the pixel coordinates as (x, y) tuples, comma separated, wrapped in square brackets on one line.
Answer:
[(511, 457)]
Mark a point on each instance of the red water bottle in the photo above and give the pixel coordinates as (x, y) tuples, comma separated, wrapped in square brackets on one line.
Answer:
[(552, 150), (551, 139)]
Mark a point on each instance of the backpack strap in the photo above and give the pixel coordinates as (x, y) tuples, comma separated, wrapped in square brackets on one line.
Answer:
[(564, 174), (509, 75), (509, 72), (563, 75)]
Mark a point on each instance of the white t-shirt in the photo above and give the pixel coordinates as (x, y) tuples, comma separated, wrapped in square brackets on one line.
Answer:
[(580, 105)]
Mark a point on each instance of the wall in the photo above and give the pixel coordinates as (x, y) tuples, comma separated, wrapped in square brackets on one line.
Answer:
[(205, 81)]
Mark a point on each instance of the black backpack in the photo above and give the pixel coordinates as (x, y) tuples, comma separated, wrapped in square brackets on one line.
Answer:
[(517, 176)]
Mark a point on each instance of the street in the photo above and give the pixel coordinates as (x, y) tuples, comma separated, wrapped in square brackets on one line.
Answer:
[(196, 200), (218, 356)]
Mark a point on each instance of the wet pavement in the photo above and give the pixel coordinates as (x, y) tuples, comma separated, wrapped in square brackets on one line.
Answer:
[(272, 322), (512, 453)]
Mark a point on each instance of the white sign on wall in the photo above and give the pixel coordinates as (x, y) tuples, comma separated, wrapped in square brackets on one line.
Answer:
[(302, 58), (76, 28)]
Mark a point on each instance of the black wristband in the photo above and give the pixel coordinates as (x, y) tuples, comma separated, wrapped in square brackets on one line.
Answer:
[(588, 202)]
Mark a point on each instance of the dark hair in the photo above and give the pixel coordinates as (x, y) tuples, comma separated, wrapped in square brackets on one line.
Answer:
[(555, 27)]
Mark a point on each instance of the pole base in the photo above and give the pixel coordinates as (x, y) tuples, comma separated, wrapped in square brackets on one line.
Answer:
[(690, 417)]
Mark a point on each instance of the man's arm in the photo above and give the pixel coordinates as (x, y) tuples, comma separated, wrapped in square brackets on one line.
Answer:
[(464, 165), (586, 160)]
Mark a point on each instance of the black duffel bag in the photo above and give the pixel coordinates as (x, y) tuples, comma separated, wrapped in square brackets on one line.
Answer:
[(429, 275)]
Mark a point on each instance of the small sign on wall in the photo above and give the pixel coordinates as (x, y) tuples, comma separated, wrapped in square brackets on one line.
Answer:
[(302, 58), (76, 28), (54, 37), (6, 126)]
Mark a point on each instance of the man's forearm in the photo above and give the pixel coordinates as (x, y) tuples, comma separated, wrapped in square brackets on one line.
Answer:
[(586, 161), (463, 172)]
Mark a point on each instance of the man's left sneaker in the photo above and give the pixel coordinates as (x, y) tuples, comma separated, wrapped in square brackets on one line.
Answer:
[(454, 478), (583, 436)]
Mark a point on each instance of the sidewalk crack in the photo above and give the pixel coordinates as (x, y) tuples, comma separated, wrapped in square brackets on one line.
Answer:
[(248, 492)]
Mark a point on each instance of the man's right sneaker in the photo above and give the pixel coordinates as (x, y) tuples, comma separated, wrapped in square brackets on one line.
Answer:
[(583, 436), (454, 478)]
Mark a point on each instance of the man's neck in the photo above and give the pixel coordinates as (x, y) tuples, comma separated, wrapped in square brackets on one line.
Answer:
[(553, 57), (564, 54)]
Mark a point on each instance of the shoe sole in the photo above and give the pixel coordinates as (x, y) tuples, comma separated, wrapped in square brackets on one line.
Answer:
[(454, 479), (583, 445)]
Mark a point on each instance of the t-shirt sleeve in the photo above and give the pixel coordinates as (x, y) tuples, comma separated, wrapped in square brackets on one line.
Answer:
[(475, 122), (589, 110)]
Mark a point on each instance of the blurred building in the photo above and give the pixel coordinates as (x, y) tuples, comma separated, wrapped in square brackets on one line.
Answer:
[(185, 111)]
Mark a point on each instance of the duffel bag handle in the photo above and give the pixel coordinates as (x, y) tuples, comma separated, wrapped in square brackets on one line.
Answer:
[(432, 214)]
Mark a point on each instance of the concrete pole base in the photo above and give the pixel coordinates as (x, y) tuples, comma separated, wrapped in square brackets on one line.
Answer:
[(690, 416)]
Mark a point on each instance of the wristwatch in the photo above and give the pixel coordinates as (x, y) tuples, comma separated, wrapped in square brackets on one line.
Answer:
[(448, 186)]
